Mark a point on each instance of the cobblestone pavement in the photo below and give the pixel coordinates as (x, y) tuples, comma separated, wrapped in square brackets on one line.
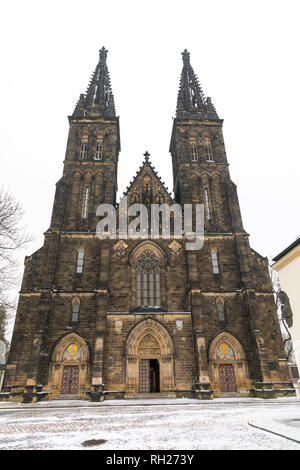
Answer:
[(156, 427)]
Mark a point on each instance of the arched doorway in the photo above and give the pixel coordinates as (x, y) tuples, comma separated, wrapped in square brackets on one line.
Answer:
[(227, 365), (149, 359), (69, 367)]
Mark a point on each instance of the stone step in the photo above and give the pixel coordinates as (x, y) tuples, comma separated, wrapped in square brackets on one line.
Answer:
[(228, 394), (67, 397), (156, 395)]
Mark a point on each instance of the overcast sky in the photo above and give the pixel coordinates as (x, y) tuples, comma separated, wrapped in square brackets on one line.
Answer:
[(246, 56)]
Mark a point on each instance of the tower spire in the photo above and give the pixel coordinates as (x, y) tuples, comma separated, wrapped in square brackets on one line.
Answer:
[(98, 99), (191, 101)]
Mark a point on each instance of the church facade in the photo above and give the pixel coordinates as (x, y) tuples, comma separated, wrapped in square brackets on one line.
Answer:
[(125, 317)]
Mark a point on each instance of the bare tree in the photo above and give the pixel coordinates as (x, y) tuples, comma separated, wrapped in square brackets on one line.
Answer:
[(3, 323), (12, 238)]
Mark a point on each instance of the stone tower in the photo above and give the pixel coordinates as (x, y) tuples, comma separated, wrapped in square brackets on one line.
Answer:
[(114, 318)]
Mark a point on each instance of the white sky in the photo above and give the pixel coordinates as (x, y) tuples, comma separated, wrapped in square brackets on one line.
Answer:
[(246, 56)]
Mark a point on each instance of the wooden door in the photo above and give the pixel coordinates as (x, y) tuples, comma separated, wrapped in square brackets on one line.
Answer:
[(227, 378), (70, 380), (145, 376), (154, 376)]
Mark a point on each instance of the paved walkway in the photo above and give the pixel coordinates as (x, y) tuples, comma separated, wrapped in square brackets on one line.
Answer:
[(169, 424), (62, 403)]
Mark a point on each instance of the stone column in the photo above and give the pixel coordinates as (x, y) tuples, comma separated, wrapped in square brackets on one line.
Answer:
[(202, 381), (262, 384), (34, 360), (101, 306)]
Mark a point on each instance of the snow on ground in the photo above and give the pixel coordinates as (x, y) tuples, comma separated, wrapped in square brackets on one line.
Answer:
[(182, 424), (285, 424)]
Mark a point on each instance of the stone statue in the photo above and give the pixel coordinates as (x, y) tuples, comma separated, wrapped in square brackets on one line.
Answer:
[(286, 310)]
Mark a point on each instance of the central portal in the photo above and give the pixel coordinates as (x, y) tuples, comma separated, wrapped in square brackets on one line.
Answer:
[(149, 359), (149, 376)]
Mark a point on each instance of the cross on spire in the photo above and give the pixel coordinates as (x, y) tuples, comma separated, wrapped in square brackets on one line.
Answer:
[(102, 55), (147, 155), (185, 56)]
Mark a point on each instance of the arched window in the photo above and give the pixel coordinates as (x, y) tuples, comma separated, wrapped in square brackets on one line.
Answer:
[(207, 204), (135, 198), (148, 280), (159, 199), (194, 152), (208, 149), (98, 149), (215, 264), (107, 93), (75, 311), (147, 189), (83, 148), (220, 307), (80, 258), (85, 203)]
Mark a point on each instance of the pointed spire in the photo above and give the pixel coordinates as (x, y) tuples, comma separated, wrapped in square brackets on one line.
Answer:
[(191, 102), (80, 105), (98, 99), (211, 110)]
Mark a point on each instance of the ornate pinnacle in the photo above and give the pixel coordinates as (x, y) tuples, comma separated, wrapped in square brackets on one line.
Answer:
[(185, 57), (102, 55), (146, 155)]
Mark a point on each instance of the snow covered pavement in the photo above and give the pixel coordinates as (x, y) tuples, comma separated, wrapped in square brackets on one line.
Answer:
[(179, 424)]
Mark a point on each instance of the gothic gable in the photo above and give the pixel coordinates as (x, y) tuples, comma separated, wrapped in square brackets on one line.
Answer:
[(147, 187)]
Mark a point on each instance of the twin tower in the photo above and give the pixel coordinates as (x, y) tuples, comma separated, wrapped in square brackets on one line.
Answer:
[(120, 318)]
